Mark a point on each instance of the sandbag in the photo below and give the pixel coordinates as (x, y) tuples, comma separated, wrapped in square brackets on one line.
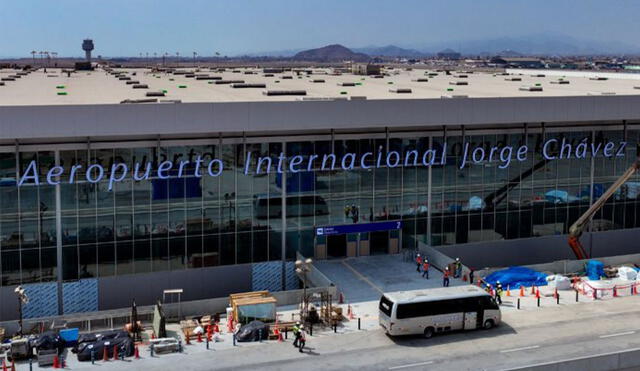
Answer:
[(559, 282), (49, 340), (627, 274), (99, 336)]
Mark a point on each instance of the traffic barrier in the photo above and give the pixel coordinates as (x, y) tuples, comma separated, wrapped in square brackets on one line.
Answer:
[(522, 291), (115, 352), (105, 355), (56, 362), (508, 291)]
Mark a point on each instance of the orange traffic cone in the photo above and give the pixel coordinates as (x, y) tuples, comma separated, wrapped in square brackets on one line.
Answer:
[(351, 316), (56, 362), (533, 289), (521, 291), (115, 352), (508, 291), (615, 292), (105, 355), (278, 334), (555, 293), (136, 353)]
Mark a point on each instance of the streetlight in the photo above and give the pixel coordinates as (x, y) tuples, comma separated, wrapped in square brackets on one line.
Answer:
[(22, 299), (302, 268)]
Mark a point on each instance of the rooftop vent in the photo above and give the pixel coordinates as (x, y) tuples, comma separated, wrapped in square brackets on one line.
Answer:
[(531, 88), (317, 81), (462, 76), (454, 96), (598, 78), (220, 82), (141, 86), (458, 83), (131, 82), (421, 80), (560, 82), (272, 70), (320, 99), (637, 87), (248, 86), (249, 73), (208, 78), (146, 100), (155, 93), (377, 76), (346, 84), (287, 77), (284, 92), (539, 75), (124, 78), (7, 79), (358, 97), (432, 74), (190, 75), (1, 83), (601, 93), (236, 71), (513, 79), (400, 91), (268, 75)]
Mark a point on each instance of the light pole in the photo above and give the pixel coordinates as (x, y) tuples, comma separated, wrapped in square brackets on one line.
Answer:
[(22, 299), (302, 268)]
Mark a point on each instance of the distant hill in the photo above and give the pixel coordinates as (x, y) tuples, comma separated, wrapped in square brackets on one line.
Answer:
[(389, 51), (331, 53)]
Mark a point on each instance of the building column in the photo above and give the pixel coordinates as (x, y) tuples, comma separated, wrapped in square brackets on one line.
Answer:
[(283, 183), (59, 238)]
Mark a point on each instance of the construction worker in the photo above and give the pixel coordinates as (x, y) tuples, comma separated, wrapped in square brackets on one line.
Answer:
[(425, 268), (302, 338), (487, 288), (445, 277), (296, 333), (499, 292), (418, 262), (458, 268)]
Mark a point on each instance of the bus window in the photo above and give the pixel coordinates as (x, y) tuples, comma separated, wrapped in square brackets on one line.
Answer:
[(386, 305), (487, 302)]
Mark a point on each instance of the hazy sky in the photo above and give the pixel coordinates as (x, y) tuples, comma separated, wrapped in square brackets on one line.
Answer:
[(128, 27)]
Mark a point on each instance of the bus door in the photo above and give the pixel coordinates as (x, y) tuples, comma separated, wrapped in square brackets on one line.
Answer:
[(471, 320)]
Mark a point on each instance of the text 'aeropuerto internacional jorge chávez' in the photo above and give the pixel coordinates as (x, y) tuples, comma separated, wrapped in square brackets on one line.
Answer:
[(552, 149)]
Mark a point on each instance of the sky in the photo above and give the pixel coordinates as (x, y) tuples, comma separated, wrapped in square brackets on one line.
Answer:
[(232, 27)]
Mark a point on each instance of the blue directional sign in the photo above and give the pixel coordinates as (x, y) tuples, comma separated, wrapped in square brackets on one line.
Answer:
[(358, 228)]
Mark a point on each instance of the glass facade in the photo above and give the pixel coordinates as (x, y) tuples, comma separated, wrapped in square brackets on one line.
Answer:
[(193, 222)]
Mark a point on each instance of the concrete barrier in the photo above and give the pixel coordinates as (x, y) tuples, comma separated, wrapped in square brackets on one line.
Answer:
[(622, 360)]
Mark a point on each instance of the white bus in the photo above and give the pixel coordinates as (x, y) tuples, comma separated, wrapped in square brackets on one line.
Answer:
[(432, 311)]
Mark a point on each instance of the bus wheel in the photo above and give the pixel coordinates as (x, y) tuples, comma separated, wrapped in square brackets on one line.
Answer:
[(428, 332), (488, 324)]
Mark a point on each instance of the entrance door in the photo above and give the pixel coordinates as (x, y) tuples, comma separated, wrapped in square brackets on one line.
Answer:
[(337, 246), (379, 242)]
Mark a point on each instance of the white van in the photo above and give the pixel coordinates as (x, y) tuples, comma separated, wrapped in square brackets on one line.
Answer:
[(432, 311)]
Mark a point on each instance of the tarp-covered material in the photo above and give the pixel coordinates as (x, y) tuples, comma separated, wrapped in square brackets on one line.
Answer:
[(514, 277), (594, 270), (627, 273), (559, 281), (252, 331), (124, 344), (49, 341), (99, 336)]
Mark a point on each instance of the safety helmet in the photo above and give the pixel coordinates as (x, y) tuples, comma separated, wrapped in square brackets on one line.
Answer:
[(497, 281), (457, 259), (298, 323)]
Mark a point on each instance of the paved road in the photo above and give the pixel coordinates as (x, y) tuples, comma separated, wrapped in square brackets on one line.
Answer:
[(526, 337)]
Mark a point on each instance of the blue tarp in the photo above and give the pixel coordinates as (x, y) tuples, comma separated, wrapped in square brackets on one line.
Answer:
[(595, 270), (514, 277)]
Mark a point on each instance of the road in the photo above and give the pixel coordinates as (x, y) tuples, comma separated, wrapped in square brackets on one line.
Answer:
[(525, 337)]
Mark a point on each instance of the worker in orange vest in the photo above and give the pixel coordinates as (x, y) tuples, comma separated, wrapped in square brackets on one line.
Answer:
[(445, 277), (425, 268), (418, 262)]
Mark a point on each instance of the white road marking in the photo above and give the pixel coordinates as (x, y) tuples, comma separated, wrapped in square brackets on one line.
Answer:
[(519, 349), (618, 334), (361, 276), (411, 365)]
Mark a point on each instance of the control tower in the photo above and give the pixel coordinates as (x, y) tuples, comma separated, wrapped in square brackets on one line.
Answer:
[(87, 46)]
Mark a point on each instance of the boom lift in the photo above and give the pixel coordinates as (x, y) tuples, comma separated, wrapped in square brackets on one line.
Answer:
[(575, 231)]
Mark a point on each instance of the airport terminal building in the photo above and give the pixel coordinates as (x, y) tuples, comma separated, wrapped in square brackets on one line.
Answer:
[(219, 184)]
